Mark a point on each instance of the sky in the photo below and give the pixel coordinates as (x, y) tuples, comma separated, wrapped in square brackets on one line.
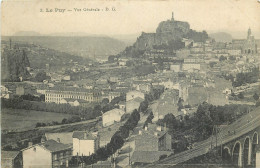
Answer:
[(130, 17)]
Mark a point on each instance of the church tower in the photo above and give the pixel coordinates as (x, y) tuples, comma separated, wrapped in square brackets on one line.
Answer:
[(249, 33), (172, 16)]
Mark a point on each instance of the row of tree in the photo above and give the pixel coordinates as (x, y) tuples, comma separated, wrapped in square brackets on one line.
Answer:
[(116, 142), (72, 119), (84, 112), (246, 77), (189, 129)]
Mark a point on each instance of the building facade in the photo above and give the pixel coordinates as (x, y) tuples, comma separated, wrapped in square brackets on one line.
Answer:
[(84, 144), (49, 154), (112, 116), (57, 95)]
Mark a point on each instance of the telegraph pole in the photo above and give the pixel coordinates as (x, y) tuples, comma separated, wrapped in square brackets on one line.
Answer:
[(129, 154)]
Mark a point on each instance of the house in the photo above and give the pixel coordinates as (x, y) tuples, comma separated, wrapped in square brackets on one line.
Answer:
[(190, 66), (72, 102), (5, 92), (112, 95), (84, 143), (152, 141), (66, 78), (11, 159), (133, 104), (122, 105), (112, 116), (148, 156), (175, 67), (63, 137), (153, 138), (47, 154), (134, 94)]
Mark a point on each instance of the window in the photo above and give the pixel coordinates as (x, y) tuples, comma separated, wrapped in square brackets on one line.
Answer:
[(55, 156)]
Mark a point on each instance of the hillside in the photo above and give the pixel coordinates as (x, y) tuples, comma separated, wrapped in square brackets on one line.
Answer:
[(221, 37), (85, 46), (39, 56), (14, 63)]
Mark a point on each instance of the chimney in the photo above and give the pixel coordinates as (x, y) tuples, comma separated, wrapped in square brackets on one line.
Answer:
[(165, 127), (30, 144), (159, 128), (146, 128)]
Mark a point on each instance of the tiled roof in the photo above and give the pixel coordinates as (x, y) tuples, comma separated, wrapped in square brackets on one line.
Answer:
[(80, 135), (64, 137), (74, 89), (148, 156), (137, 99), (9, 154), (54, 146), (114, 111)]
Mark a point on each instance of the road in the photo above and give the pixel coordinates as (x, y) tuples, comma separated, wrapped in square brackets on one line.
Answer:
[(70, 124), (238, 128)]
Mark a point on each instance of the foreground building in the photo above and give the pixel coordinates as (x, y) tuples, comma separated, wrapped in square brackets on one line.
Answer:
[(112, 116), (47, 155), (84, 144), (152, 143), (11, 159)]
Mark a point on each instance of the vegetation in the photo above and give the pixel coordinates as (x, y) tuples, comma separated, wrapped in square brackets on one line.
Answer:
[(222, 58), (149, 119), (41, 76), (256, 96), (116, 142), (199, 127), (33, 98), (73, 119), (247, 77), (197, 36), (19, 103)]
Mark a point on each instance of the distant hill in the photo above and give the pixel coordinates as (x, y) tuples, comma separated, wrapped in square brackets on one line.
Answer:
[(27, 33), (221, 37), (85, 46), (129, 39)]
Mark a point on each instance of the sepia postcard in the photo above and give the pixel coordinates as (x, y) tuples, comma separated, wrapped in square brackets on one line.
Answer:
[(130, 84)]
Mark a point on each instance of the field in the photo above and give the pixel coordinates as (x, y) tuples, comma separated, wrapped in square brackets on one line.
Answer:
[(18, 119)]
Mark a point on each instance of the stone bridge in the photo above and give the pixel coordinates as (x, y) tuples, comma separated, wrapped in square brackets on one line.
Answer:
[(241, 151)]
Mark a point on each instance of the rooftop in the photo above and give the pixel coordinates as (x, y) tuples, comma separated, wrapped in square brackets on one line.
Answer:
[(64, 137), (148, 156), (83, 135), (9, 154), (54, 146)]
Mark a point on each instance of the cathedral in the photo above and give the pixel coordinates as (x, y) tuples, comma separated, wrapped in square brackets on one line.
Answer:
[(249, 46)]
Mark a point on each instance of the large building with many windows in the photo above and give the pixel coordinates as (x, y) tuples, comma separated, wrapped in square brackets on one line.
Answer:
[(56, 95)]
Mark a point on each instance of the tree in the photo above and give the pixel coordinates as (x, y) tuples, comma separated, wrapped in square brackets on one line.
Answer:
[(41, 76), (222, 58), (240, 95), (211, 64), (256, 97)]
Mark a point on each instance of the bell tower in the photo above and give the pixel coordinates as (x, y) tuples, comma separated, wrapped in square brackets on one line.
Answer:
[(249, 33), (172, 16)]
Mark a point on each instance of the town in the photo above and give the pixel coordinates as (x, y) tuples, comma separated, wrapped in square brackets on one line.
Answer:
[(169, 94)]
